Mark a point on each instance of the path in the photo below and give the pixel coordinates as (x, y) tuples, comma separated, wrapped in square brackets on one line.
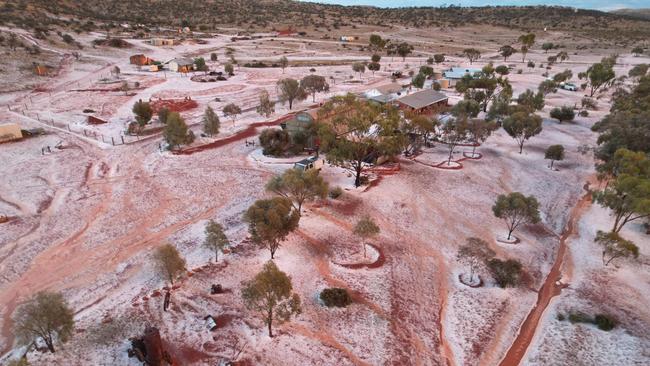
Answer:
[(551, 288)]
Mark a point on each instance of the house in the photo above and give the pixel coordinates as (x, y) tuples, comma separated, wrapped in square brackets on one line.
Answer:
[(140, 60), (456, 73), (10, 132), (427, 101), (181, 65), (155, 67), (162, 41), (384, 93), (348, 38)]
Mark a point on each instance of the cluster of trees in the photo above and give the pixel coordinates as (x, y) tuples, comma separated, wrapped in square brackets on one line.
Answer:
[(477, 255), (379, 44), (599, 76), (624, 163)]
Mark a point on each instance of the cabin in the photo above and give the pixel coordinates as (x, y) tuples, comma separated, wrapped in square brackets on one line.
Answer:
[(384, 94), (427, 101), (10, 132), (181, 65), (140, 60), (162, 42), (456, 73)]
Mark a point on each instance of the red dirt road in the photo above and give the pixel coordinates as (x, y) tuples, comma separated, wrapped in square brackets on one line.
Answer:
[(551, 288)]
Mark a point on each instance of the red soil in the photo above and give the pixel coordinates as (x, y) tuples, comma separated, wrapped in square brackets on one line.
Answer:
[(174, 105)]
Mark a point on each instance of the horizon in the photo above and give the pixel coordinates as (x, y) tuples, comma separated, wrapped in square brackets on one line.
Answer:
[(602, 5)]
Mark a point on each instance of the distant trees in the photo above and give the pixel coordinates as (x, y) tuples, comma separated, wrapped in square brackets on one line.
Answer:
[(169, 262), (472, 54), (374, 66), (526, 41), (507, 51), (283, 62), (439, 58), (298, 186), (266, 107), (614, 246), (554, 153), (213, 57), (176, 132), (418, 80), (521, 126), (143, 112), (356, 132), (211, 122), (215, 238), (289, 90), (599, 75), (502, 70), (547, 46), (359, 67), (313, 84), (474, 253), (637, 71), (163, 113), (45, 316), (377, 43), (270, 294), (516, 209), (270, 221), (564, 113), (231, 110), (365, 229), (403, 49), (563, 76), (229, 69), (375, 58)]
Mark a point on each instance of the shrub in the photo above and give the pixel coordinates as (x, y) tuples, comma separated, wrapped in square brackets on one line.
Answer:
[(560, 317), (506, 273), (583, 113), (274, 141), (336, 192), (520, 71), (335, 296), (604, 322), (564, 113), (579, 317)]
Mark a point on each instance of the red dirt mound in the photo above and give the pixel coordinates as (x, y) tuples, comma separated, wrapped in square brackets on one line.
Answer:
[(174, 105)]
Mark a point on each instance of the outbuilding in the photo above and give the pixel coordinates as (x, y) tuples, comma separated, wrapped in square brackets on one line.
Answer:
[(181, 65), (427, 101)]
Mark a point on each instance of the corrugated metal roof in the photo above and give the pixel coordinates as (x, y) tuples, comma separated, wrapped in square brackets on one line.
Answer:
[(424, 98), (459, 72)]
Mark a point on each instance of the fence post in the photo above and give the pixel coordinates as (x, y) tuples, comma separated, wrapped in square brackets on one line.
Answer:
[(85, 133), (112, 141), (122, 137), (69, 129), (102, 138)]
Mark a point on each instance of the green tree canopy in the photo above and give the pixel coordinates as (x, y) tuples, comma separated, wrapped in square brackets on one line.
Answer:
[(270, 294), (554, 153), (143, 112), (215, 238), (289, 90), (211, 122), (313, 84), (270, 221), (366, 228), (472, 54), (614, 246), (169, 262), (521, 126), (176, 132), (298, 186), (266, 107), (564, 113), (516, 209), (45, 316)]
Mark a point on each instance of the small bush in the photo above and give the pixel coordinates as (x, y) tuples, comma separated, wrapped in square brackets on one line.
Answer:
[(336, 192), (579, 317), (335, 296), (520, 71), (274, 141), (583, 113), (560, 317), (506, 273), (604, 322)]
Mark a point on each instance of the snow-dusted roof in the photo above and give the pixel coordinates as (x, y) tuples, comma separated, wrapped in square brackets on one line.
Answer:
[(459, 72), (422, 99)]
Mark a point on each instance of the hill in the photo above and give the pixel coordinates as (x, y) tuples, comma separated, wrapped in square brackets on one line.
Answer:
[(634, 13), (266, 14)]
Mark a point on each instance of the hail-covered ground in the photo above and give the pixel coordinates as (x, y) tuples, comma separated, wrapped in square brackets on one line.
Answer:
[(86, 218)]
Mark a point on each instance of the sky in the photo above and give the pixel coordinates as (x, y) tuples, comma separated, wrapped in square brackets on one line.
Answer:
[(585, 4)]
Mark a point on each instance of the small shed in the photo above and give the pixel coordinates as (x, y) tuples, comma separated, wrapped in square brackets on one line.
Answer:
[(427, 101), (181, 65), (140, 60), (92, 120), (10, 132)]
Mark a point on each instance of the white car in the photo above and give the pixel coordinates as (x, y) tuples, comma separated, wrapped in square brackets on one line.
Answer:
[(569, 87)]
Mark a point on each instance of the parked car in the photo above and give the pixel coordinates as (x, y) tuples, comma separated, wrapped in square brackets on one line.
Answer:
[(569, 87), (312, 162)]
